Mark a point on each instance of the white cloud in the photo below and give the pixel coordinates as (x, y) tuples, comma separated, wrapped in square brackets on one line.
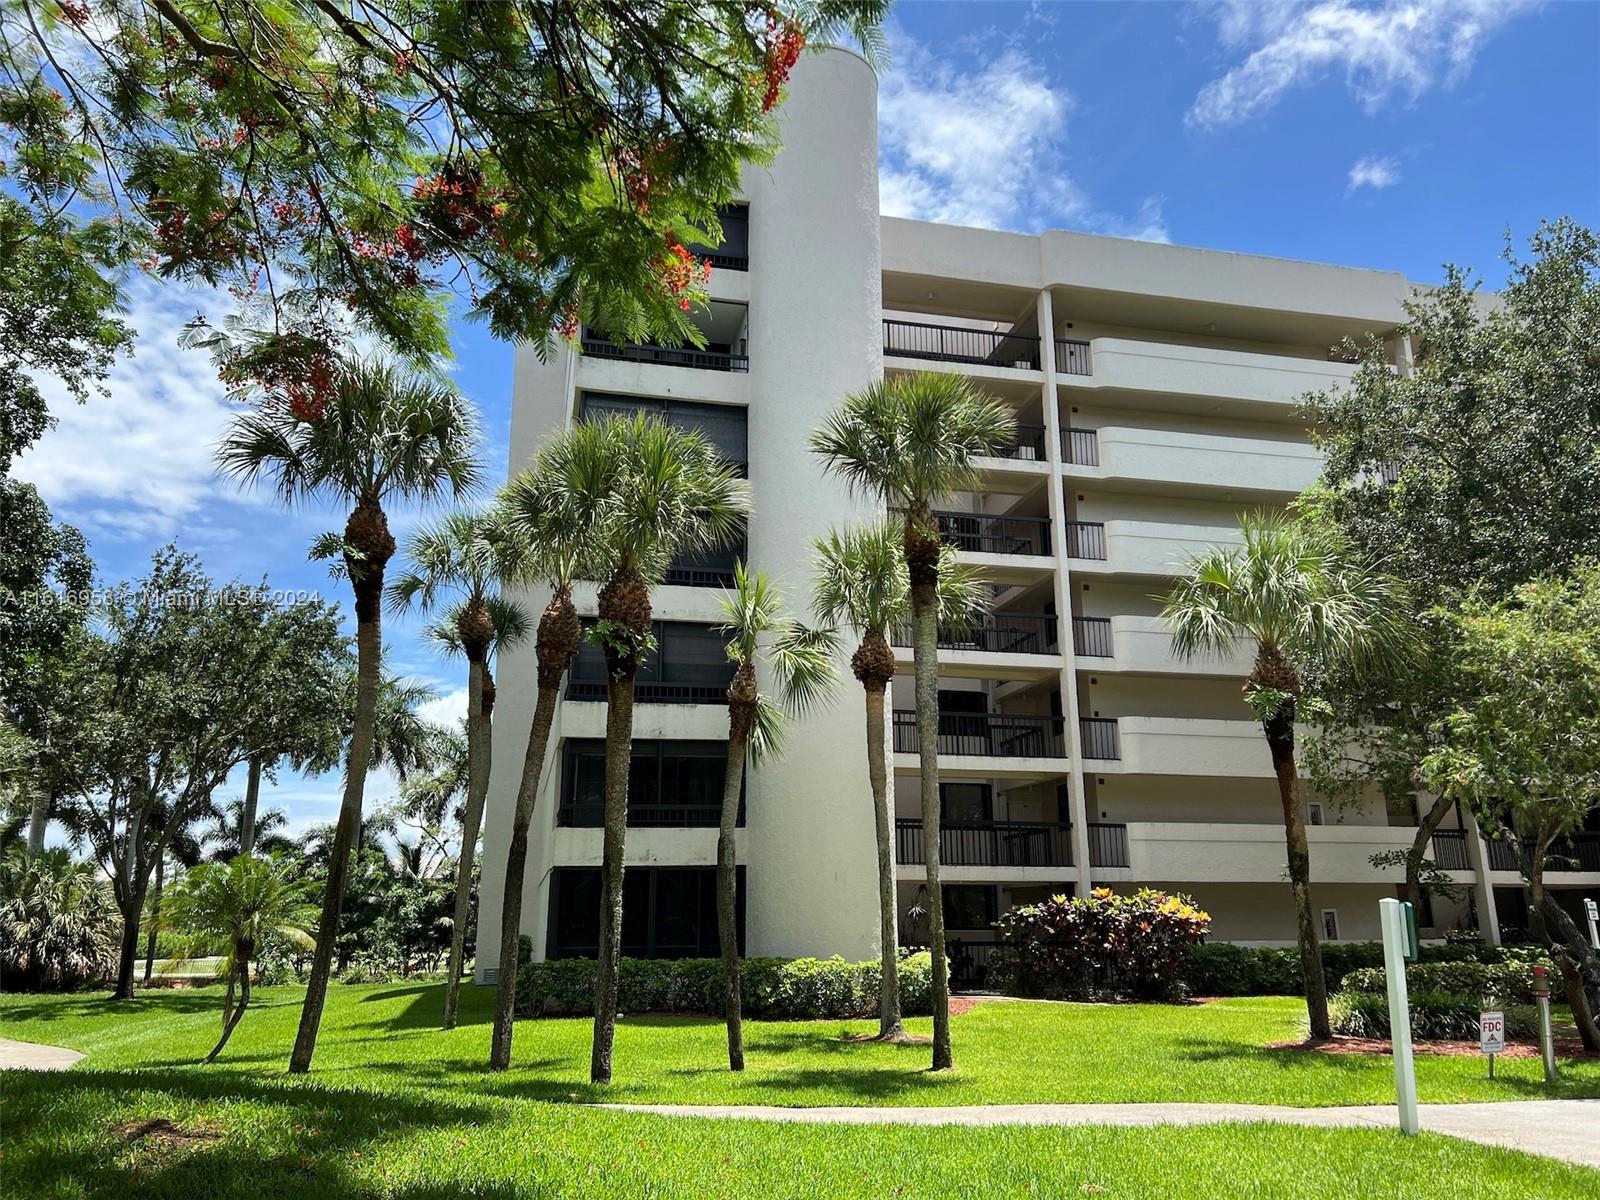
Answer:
[(447, 709), (1388, 49), (1374, 172), (983, 146)]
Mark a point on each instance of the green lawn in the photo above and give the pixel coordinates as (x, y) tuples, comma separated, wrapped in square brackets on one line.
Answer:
[(396, 1108)]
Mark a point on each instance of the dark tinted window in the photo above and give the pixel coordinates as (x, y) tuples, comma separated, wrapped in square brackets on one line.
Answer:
[(966, 802), (675, 784), (667, 912), (969, 906), (688, 666), (723, 425)]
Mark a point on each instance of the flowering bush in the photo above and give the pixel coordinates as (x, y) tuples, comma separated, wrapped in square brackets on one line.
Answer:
[(1102, 944)]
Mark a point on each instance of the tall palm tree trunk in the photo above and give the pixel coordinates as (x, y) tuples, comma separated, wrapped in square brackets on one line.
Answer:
[(1280, 741), (890, 1022), (741, 711), (624, 611), (231, 1020), (367, 533), (619, 754), (38, 819), (155, 920), (557, 642), (247, 814), (922, 570), (479, 733)]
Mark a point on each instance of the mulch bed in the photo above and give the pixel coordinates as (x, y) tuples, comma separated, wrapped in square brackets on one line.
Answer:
[(162, 1132), (1339, 1044)]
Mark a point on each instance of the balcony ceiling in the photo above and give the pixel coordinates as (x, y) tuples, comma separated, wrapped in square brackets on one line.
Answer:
[(1200, 318)]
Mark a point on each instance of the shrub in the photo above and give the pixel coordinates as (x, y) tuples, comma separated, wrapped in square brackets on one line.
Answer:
[(1102, 944), (1222, 969), (782, 989), (1434, 1015), (1510, 982), (59, 927)]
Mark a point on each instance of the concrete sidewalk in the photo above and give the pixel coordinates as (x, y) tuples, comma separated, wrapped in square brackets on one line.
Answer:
[(31, 1056), (1564, 1129)]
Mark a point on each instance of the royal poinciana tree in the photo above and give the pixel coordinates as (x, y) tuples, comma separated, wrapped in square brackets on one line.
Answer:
[(384, 436), (1520, 747), (1472, 467), (467, 557), (1296, 596), (908, 442), (352, 167), (861, 582)]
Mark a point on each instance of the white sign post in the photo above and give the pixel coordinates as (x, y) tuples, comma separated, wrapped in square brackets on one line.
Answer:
[(1592, 911), (1392, 917), (1492, 1036)]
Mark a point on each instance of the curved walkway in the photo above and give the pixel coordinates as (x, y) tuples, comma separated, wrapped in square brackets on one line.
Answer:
[(1564, 1129), (32, 1056)]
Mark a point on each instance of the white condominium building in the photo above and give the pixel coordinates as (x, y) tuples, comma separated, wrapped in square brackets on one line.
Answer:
[(1154, 388)]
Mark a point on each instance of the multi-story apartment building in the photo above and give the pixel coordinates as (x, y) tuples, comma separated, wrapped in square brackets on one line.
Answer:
[(1155, 391)]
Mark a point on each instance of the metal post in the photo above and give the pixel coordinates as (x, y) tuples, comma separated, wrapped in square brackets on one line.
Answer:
[(1592, 911), (1392, 918), (1547, 1043)]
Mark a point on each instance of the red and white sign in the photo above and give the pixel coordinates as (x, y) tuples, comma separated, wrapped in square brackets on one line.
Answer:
[(1492, 1032)]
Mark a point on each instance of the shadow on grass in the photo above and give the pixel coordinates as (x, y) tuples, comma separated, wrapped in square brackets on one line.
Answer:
[(266, 1137), (49, 1007)]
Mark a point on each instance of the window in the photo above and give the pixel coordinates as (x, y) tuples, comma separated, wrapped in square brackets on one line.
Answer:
[(671, 784), (1314, 814), (667, 912), (1401, 810), (688, 666), (970, 906), (966, 802), (725, 426), (1330, 924), (733, 254)]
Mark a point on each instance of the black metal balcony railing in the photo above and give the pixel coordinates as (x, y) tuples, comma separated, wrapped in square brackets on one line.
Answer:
[(1576, 852), (1029, 446), (1108, 844), (1072, 357), (674, 356), (995, 533), (644, 816), (689, 575), (1086, 539), (997, 633), (985, 735), (989, 843), (1450, 850), (1080, 447), (1099, 737), (952, 343), (652, 692), (1091, 636)]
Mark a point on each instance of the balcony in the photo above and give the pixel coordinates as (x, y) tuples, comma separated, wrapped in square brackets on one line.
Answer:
[(1450, 850), (988, 843), (1080, 447), (1167, 460), (1235, 377), (959, 344), (1098, 738), (733, 253), (1218, 852), (704, 569), (688, 666), (1143, 645), (985, 735), (1576, 852), (994, 633), (1029, 446), (1144, 548), (1072, 357), (672, 356), (995, 533)]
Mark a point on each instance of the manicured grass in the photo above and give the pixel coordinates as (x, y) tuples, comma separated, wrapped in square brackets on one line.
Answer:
[(396, 1108)]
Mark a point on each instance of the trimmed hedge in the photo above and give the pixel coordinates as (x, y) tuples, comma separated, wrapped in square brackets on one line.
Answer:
[(1510, 982), (1223, 969), (779, 989), (1434, 1015)]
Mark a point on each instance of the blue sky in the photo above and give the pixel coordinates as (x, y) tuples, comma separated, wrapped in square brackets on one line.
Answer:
[(1399, 134)]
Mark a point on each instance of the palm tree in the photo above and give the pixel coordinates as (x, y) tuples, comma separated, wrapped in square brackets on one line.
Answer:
[(861, 582), (241, 903), (59, 925), (466, 554), (801, 662), (1298, 595), (225, 837), (650, 492), (551, 509), (908, 441), (385, 435)]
